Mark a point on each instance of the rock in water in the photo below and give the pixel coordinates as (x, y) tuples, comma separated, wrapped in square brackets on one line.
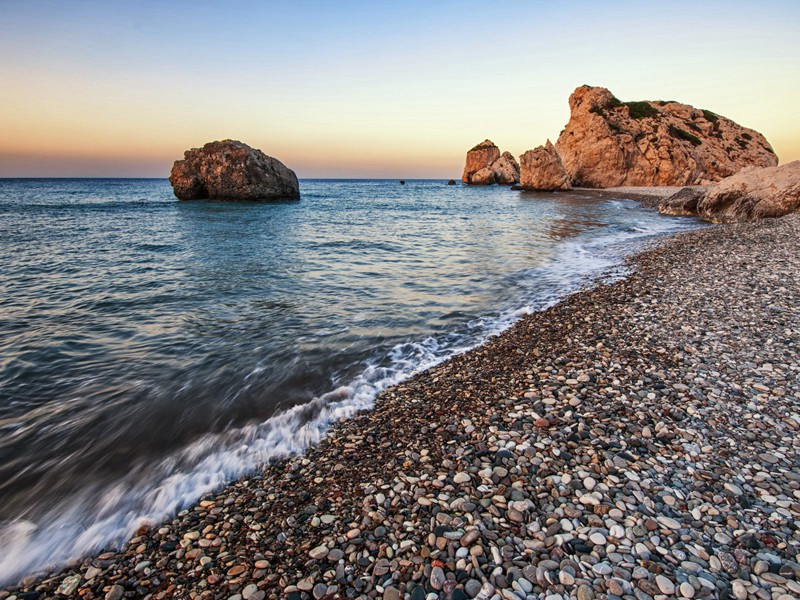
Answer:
[(609, 143), (506, 169), (749, 195), (541, 169), (451, 182), (485, 166), (232, 170)]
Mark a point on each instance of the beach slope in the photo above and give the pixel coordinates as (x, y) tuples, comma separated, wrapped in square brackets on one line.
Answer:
[(637, 438)]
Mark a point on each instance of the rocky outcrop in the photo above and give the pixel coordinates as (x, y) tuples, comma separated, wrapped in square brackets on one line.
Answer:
[(232, 170), (541, 169), (485, 166), (751, 194), (683, 202), (609, 143)]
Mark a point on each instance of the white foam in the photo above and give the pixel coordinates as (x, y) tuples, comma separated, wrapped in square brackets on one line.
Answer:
[(104, 518)]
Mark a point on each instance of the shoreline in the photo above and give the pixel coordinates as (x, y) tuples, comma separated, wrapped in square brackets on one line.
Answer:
[(552, 408)]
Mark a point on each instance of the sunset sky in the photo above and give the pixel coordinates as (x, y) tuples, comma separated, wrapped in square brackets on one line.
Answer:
[(367, 89)]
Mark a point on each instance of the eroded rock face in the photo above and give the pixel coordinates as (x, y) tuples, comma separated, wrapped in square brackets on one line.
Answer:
[(541, 169), (232, 170), (485, 166), (753, 193), (683, 202), (607, 143)]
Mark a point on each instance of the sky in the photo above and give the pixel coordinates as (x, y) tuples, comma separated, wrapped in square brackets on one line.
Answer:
[(367, 89)]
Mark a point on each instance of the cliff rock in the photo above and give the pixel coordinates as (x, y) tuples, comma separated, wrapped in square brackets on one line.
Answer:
[(608, 143), (541, 169), (232, 170), (753, 193), (485, 166)]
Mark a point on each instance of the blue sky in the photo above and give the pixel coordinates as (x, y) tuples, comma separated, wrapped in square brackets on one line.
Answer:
[(367, 88)]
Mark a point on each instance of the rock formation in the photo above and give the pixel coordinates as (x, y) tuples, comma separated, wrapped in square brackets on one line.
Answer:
[(485, 166), (541, 169), (232, 170), (451, 182), (609, 143), (753, 193)]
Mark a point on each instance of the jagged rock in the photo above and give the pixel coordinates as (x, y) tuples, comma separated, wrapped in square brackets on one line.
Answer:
[(506, 169), (485, 166), (683, 203), (609, 143), (753, 193), (484, 176), (541, 169), (232, 170)]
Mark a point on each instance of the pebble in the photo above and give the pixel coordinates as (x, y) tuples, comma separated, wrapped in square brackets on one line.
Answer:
[(665, 585), (437, 578)]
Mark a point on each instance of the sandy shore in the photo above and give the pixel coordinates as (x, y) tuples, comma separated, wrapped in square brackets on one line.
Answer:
[(638, 440)]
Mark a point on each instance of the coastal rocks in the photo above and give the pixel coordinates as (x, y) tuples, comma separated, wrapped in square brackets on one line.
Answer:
[(683, 203), (749, 195), (451, 182), (609, 143), (506, 169), (232, 170), (486, 166), (542, 169)]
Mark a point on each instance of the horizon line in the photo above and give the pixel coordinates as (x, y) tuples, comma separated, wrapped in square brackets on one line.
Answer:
[(7, 177)]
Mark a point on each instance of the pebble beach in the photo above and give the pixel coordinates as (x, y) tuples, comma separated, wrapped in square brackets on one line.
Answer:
[(636, 440)]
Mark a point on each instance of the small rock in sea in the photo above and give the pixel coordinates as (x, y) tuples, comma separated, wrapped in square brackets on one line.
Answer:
[(451, 182)]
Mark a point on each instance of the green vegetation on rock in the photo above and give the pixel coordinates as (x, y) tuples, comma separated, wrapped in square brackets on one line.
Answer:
[(641, 110), (684, 135)]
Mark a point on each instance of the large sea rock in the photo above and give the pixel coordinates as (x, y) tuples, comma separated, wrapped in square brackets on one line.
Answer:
[(541, 169), (753, 193), (485, 165), (609, 143), (232, 170)]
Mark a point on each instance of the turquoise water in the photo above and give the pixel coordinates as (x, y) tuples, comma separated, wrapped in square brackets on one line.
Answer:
[(153, 350)]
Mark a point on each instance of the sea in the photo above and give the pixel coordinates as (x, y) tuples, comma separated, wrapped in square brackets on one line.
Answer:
[(152, 350)]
